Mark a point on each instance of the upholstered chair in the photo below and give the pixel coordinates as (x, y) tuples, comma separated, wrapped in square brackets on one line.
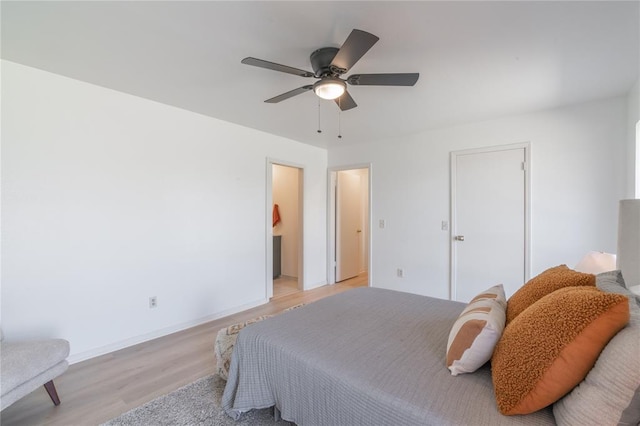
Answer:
[(27, 365)]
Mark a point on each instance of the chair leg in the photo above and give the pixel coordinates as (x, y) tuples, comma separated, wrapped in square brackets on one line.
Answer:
[(51, 390)]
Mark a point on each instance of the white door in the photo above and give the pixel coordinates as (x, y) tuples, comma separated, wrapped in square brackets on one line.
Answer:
[(489, 221), (348, 227)]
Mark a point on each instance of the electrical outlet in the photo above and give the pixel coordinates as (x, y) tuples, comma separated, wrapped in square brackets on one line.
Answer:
[(400, 273), (382, 223), (445, 225), (153, 302)]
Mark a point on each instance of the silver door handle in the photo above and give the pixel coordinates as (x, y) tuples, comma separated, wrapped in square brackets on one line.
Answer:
[(459, 238)]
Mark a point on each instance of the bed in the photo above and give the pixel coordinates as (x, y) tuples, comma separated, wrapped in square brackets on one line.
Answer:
[(373, 356), (368, 356)]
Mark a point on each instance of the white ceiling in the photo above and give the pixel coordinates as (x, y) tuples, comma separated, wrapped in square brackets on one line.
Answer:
[(477, 60)]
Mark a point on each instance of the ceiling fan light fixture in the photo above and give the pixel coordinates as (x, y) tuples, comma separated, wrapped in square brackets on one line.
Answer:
[(330, 88)]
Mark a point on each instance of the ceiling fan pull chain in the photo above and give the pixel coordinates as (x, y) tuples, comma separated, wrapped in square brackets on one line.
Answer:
[(339, 118), (319, 130)]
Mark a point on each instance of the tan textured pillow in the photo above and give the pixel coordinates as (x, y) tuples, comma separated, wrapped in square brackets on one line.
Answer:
[(476, 331), (551, 346), (545, 283)]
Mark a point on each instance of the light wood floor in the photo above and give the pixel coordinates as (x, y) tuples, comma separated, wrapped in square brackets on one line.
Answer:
[(284, 285), (104, 387)]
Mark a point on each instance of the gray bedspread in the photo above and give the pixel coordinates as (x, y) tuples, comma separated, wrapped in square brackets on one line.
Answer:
[(364, 357)]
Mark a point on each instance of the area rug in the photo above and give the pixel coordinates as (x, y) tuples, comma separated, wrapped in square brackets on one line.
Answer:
[(195, 404)]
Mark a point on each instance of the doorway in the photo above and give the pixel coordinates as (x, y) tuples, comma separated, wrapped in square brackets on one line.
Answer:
[(285, 230), (349, 247), (489, 219)]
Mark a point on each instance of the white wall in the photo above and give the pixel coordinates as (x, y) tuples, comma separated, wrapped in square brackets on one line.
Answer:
[(108, 199), (578, 176), (633, 148), (285, 195)]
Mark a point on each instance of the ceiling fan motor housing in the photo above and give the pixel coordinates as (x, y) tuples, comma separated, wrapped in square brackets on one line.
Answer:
[(321, 61)]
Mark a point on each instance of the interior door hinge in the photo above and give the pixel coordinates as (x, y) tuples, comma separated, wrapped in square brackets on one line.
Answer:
[(524, 165)]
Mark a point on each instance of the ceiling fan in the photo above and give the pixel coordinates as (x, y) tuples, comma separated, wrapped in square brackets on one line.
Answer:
[(329, 64)]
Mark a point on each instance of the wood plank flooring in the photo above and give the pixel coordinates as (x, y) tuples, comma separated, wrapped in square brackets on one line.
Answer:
[(104, 387), (284, 285)]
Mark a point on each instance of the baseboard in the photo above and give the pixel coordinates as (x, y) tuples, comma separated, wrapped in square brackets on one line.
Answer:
[(103, 350)]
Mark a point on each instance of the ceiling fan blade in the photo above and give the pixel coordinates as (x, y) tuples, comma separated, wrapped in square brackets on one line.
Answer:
[(289, 94), (354, 47), (276, 67), (345, 102), (408, 79)]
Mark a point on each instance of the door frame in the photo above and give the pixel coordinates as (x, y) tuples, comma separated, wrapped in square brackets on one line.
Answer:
[(269, 223), (527, 206), (331, 219)]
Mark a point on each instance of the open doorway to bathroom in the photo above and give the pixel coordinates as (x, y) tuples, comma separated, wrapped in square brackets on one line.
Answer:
[(286, 212)]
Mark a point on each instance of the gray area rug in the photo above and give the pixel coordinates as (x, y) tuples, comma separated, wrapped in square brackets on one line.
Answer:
[(195, 404)]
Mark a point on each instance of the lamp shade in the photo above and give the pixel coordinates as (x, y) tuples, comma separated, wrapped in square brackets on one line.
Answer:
[(596, 262), (629, 241)]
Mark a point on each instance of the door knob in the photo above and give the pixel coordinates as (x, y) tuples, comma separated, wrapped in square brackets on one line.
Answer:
[(459, 238), (359, 230)]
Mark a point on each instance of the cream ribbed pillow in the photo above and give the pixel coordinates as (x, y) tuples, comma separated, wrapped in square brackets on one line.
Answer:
[(610, 394), (476, 332)]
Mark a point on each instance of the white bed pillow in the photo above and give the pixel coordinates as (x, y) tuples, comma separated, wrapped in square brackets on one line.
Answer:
[(596, 262), (476, 332)]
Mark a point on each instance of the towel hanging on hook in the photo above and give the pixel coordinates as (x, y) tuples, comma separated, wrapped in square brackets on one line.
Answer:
[(276, 215)]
